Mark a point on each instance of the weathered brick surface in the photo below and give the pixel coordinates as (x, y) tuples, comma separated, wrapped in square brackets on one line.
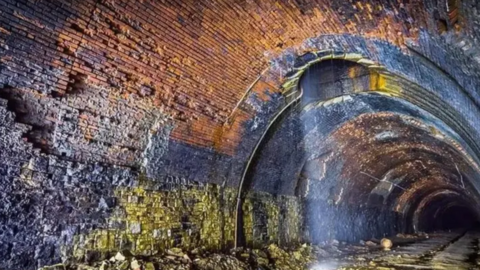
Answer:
[(57, 210), (104, 89), (116, 66), (192, 61)]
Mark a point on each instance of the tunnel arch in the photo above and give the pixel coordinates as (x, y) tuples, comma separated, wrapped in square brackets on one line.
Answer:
[(290, 90), (367, 84)]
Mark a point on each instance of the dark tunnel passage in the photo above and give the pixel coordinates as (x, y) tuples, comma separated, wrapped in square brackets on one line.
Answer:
[(455, 217), (370, 156), (447, 211)]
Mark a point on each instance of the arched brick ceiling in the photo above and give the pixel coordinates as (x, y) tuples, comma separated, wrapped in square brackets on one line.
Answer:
[(191, 60)]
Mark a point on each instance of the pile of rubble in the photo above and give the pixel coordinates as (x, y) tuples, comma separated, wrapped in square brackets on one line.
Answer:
[(270, 257), (266, 258)]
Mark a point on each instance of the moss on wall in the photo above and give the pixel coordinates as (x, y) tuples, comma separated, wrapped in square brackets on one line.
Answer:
[(272, 219), (148, 221)]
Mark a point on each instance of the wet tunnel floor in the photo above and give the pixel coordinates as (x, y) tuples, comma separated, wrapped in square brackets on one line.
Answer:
[(440, 251)]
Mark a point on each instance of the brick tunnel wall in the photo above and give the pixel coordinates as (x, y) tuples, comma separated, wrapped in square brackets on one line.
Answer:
[(110, 69), (111, 108), (53, 209)]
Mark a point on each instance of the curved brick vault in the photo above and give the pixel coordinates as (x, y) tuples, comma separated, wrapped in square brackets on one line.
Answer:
[(147, 125)]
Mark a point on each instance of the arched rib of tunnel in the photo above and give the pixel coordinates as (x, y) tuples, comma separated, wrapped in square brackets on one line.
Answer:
[(369, 155)]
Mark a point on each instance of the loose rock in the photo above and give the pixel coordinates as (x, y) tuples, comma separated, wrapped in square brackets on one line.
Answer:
[(386, 243)]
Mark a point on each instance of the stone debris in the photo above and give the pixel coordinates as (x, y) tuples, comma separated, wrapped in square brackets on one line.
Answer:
[(175, 252), (135, 265), (268, 257), (119, 257), (412, 236), (370, 244), (220, 262), (386, 244)]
